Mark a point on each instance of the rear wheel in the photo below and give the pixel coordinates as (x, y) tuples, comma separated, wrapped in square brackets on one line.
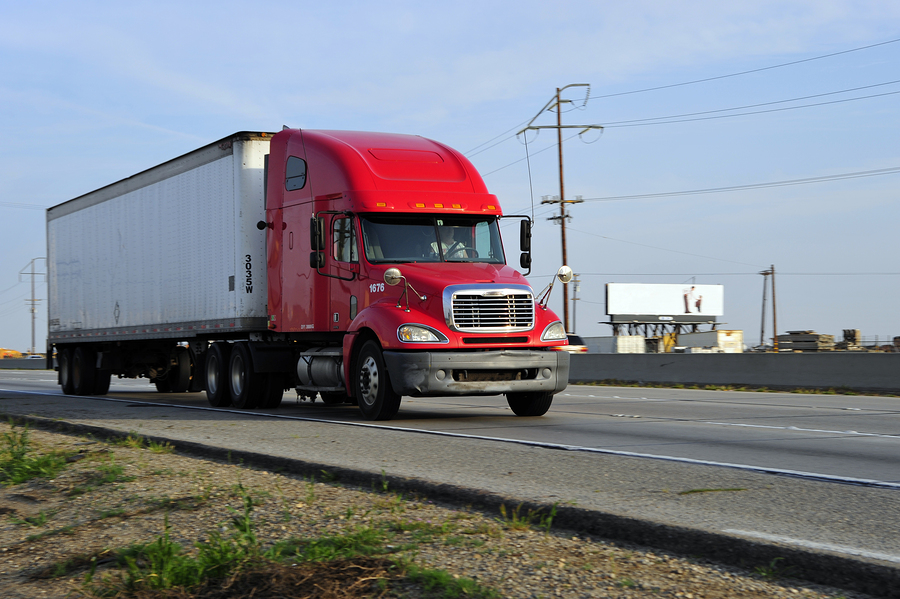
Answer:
[(180, 373), (101, 381), (216, 372), (83, 371), (372, 386), (64, 362), (274, 391), (532, 403), (244, 385)]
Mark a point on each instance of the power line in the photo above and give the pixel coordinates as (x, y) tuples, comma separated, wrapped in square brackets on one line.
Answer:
[(691, 114), (726, 116), (776, 66), (788, 182), (660, 87)]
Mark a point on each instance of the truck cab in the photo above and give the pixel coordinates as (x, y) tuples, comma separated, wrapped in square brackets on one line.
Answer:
[(386, 270)]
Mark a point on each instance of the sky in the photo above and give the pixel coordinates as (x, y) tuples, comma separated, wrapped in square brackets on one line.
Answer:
[(784, 114)]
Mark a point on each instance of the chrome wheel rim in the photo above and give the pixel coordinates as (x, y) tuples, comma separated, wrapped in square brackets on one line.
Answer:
[(368, 381)]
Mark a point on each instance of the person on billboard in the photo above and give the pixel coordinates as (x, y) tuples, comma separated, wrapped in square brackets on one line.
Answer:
[(688, 299)]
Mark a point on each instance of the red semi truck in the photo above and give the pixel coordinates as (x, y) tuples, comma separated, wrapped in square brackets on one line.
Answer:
[(359, 267)]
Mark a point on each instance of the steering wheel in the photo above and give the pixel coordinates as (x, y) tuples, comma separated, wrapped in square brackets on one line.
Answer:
[(462, 248)]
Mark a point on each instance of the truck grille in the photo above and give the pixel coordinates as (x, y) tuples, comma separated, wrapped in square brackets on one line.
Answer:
[(491, 310)]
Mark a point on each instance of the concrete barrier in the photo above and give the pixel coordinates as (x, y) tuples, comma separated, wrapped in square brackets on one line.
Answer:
[(857, 371), (23, 364)]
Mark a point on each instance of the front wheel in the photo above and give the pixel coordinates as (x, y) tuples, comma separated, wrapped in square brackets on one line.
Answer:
[(372, 386), (531, 403)]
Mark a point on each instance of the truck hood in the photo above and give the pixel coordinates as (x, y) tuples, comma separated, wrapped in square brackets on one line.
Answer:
[(431, 279)]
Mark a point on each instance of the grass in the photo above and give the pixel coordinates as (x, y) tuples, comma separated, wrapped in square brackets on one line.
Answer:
[(164, 565), (106, 474), (136, 441), (515, 520), (19, 463)]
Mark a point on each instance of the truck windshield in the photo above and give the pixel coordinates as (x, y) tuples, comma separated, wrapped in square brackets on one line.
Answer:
[(431, 238)]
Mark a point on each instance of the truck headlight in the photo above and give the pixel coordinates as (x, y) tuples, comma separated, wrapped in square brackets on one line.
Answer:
[(414, 333), (554, 332)]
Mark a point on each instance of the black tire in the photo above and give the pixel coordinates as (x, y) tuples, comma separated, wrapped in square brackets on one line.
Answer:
[(64, 362), (162, 384), (83, 371), (334, 398), (376, 398), (216, 375), (179, 376), (275, 384), (245, 386), (532, 403), (101, 382)]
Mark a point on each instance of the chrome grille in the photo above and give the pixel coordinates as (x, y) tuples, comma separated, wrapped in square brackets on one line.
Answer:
[(487, 310)]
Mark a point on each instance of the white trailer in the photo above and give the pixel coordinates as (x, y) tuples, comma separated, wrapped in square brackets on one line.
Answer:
[(171, 253), (146, 257)]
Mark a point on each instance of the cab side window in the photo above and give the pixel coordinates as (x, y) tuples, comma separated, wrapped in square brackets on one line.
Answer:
[(294, 174), (344, 240)]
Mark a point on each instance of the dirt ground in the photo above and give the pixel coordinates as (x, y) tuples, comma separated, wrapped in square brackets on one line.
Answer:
[(112, 495)]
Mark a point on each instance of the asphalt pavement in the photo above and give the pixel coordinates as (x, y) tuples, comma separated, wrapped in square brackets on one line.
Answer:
[(840, 534)]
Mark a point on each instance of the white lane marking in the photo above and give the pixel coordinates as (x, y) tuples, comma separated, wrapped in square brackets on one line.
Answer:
[(888, 557), (746, 467), (800, 429)]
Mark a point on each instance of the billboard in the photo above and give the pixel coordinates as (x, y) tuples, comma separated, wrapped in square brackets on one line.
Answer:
[(631, 302)]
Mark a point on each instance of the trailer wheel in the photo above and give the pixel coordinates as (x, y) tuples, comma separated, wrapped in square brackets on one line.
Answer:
[(179, 377), (64, 360), (533, 403), (274, 391), (101, 381), (83, 371), (244, 385), (217, 375), (376, 398)]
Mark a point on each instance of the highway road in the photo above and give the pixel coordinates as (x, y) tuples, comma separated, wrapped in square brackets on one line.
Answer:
[(846, 437), (818, 472)]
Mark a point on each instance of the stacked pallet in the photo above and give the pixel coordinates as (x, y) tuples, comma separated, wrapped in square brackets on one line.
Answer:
[(806, 341)]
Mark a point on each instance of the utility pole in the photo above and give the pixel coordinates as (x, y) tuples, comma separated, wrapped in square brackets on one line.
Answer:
[(762, 326), (762, 319), (774, 314), (33, 301), (575, 301), (556, 103)]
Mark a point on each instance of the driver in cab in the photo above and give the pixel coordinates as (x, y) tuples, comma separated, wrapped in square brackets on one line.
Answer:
[(449, 247)]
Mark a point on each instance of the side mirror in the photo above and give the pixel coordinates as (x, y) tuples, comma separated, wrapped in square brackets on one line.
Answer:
[(317, 260), (564, 274), (525, 236), (525, 260), (392, 276)]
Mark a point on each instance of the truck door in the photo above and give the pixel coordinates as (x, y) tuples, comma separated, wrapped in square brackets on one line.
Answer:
[(343, 258)]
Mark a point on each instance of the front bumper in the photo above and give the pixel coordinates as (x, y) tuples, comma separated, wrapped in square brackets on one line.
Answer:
[(421, 374)]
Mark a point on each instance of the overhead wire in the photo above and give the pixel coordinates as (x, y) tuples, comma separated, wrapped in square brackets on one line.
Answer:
[(747, 72), (783, 183), (706, 112)]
